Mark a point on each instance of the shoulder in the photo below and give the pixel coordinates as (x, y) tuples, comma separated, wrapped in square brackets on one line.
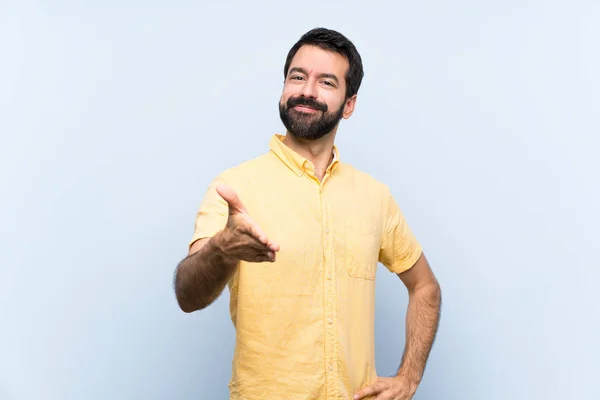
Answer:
[(364, 181), (246, 169)]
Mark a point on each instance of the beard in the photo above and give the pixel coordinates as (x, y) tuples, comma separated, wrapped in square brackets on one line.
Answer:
[(308, 126)]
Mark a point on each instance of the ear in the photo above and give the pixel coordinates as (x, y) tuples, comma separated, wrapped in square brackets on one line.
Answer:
[(349, 107)]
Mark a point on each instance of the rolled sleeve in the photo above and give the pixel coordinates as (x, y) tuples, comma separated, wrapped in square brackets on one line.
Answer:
[(399, 246), (212, 213)]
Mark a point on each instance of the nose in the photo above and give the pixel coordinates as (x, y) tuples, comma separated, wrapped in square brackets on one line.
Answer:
[(309, 89)]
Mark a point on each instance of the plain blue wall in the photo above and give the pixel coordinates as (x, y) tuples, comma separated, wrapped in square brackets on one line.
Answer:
[(483, 117)]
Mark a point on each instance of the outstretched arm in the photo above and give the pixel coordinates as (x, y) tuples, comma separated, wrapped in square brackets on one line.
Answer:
[(201, 277)]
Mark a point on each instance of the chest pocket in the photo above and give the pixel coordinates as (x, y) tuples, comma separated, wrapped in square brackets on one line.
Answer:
[(363, 237)]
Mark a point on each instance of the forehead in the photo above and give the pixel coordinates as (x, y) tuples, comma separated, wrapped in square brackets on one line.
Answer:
[(316, 60)]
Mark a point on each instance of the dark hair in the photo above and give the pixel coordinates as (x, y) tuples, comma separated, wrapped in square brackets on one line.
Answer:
[(328, 39)]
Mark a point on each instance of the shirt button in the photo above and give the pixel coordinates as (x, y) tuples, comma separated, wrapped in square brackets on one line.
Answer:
[(326, 230), (331, 367), (329, 276), (330, 320)]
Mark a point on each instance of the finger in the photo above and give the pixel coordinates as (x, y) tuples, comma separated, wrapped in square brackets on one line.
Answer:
[(262, 258), (375, 388), (259, 257), (387, 395), (251, 255), (232, 199), (254, 230), (252, 244), (273, 246)]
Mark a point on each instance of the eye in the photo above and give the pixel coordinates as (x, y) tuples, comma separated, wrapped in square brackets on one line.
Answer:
[(295, 77), (329, 83)]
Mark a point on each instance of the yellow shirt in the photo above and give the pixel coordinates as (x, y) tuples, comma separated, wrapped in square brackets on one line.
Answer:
[(305, 323)]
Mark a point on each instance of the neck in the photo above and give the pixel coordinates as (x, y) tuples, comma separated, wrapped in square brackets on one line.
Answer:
[(319, 151)]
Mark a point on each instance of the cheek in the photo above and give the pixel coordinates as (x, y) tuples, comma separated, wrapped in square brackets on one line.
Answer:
[(288, 92), (285, 95), (334, 103)]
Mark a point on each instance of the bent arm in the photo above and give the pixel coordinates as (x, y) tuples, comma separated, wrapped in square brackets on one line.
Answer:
[(422, 318), (200, 278)]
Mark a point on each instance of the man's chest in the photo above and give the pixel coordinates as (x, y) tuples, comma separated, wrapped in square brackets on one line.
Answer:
[(321, 230)]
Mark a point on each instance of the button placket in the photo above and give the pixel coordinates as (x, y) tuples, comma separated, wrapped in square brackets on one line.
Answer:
[(330, 299)]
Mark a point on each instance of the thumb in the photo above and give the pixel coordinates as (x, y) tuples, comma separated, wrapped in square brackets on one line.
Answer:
[(232, 199)]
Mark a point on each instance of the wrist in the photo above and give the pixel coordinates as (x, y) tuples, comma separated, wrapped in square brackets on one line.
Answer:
[(411, 383), (411, 376)]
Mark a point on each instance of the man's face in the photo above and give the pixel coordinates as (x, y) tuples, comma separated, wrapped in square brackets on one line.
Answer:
[(314, 94)]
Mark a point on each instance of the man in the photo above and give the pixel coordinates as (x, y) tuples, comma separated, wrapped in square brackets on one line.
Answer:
[(296, 235)]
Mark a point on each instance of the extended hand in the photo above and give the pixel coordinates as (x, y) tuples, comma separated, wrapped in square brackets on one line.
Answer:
[(396, 388), (242, 238)]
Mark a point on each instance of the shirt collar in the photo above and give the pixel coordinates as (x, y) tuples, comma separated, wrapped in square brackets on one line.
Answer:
[(295, 161)]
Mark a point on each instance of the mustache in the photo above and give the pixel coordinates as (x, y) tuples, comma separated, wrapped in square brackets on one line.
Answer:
[(305, 101)]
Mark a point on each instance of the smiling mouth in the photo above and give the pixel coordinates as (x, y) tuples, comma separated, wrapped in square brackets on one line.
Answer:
[(305, 109)]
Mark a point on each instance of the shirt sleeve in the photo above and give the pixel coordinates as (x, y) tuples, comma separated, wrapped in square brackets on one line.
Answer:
[(399, 247), (212, 213)]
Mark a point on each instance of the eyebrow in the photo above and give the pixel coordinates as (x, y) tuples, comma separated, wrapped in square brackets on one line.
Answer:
[(323, 75)]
